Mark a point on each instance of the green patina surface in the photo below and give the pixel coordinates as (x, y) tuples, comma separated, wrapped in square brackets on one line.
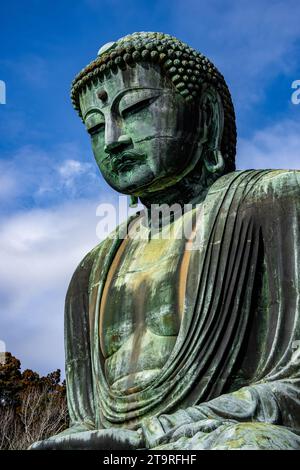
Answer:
[(181, 342)]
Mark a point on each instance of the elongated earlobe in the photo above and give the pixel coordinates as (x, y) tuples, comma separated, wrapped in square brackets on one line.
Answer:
[(214, 161), (213, 123)]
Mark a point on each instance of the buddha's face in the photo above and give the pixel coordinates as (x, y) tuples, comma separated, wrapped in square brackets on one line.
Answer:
[(144, 134)]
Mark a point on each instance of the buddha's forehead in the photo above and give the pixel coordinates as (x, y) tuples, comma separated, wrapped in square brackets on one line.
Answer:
[(142, 76)]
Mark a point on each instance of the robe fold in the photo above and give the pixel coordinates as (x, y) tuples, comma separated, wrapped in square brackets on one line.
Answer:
[(237, 354)]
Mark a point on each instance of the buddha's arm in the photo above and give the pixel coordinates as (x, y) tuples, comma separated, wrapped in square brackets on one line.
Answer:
[(274, 397), (77, 349), (272, 403)]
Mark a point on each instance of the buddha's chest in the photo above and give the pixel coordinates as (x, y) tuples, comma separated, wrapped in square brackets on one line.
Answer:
[(144, 292)]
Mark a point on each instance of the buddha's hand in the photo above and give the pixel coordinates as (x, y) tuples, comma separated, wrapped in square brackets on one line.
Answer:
[(230, 435), (242, 405), (103, 439), (206, 430), (156, 435)]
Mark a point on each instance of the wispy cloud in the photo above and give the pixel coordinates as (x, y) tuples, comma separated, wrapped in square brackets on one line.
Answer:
[(39, 251), (277, 146), (71, 170), (36, 176)]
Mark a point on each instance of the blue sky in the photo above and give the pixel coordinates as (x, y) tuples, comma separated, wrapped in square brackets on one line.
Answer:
[(49, 183)]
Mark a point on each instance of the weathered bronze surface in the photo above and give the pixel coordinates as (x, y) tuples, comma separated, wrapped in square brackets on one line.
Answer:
[(181, 338)]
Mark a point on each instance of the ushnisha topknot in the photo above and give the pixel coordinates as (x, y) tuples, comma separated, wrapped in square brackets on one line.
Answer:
[(187, 69)]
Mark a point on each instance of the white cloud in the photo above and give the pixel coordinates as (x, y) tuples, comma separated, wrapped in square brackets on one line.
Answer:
[(277, 146), (47, 176), (39, 251), (70, 170)]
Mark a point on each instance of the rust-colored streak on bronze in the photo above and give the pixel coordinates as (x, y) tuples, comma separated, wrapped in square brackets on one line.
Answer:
[(183, 273), (107, 284), (140, 326)]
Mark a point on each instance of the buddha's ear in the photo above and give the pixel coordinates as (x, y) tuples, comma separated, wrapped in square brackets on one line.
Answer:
[(212, 124)]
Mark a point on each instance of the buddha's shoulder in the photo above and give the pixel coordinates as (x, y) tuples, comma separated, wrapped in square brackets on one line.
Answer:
[(263, 185), (278, 183), (80, 279), (84, 269)]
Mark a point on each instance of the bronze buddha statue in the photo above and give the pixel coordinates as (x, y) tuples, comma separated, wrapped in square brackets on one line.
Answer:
[(180, 331)]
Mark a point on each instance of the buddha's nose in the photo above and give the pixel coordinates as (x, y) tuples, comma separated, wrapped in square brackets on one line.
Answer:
[(122, 141)]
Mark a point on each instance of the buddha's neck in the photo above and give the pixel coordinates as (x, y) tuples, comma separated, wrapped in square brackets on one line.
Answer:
[(191, 189)]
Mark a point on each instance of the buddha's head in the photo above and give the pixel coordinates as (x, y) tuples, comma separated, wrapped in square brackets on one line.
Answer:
[(157, 111)]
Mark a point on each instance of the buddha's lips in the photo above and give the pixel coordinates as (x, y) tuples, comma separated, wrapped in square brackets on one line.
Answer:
[(128, 157)]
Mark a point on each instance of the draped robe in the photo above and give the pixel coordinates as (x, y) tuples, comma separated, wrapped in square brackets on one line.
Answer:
[(237, 354)]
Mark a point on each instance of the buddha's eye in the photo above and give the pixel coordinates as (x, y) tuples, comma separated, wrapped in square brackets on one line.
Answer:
[(137, 106), (96, 129), (94, 122)]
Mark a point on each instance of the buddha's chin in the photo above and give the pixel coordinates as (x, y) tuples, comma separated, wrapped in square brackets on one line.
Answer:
[(129, 181)]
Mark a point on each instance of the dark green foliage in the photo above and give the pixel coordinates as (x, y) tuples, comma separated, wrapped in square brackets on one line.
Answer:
[(31, 407), (10, 380)]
